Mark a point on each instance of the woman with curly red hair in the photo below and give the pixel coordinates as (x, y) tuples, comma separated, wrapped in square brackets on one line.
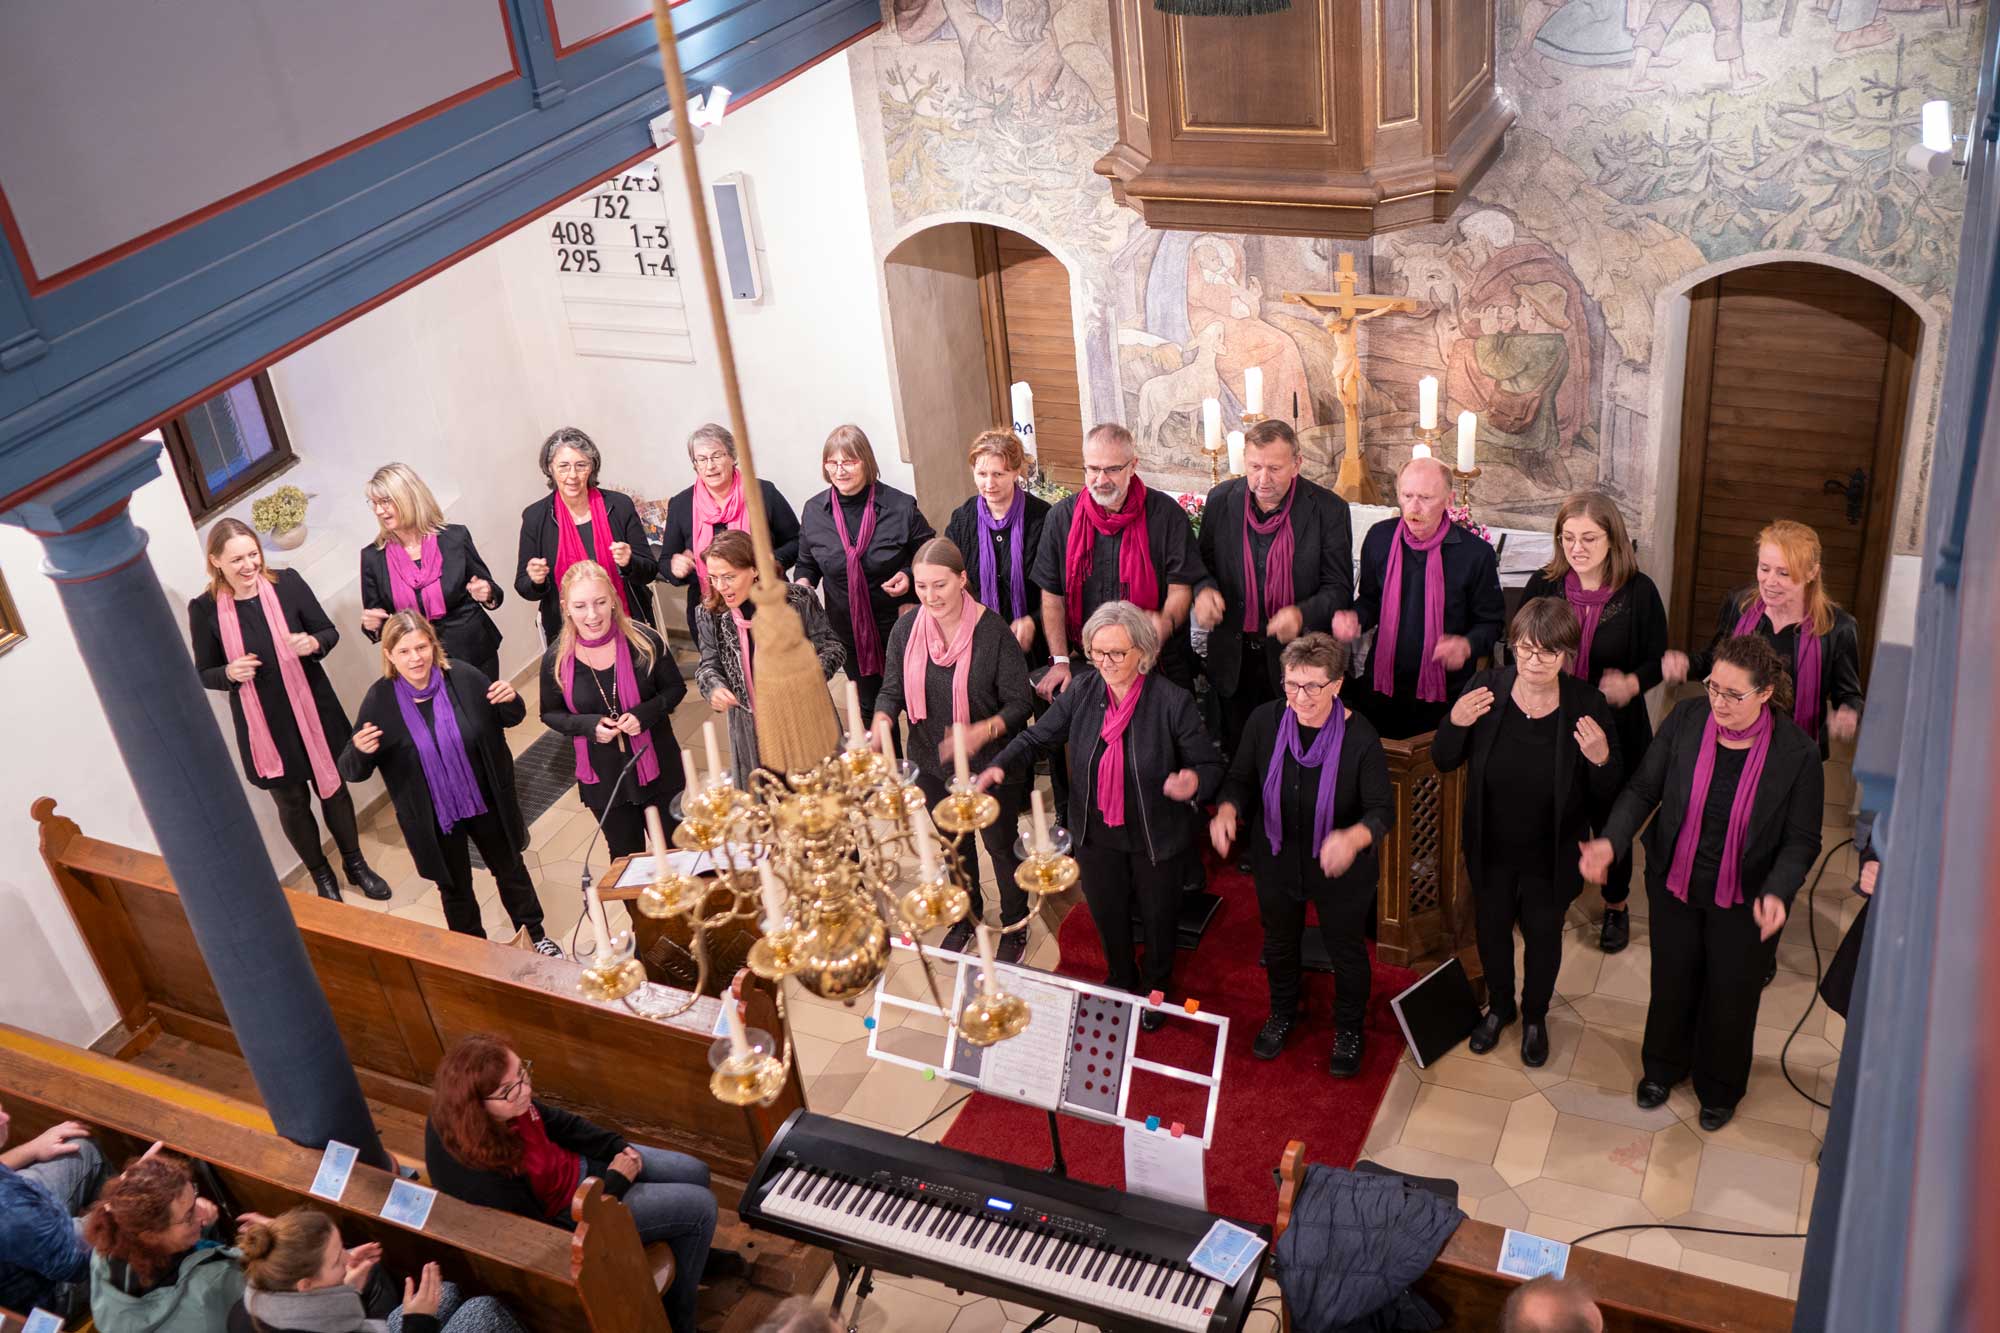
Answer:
[(153, 1270)]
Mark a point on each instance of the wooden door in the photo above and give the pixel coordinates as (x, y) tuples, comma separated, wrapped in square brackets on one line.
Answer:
[(1031, 335), (1798, 382)]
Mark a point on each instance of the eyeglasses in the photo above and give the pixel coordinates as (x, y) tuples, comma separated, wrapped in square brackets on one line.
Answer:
[(1720, 695), (1306, 690), (838, 464), (1107, 473), (505, 1092), (1529, 653), (1111, 656)]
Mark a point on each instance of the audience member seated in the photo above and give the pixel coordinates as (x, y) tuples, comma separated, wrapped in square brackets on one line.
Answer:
[(799, 1314), (1550, 1305), (44, 1184), (301, 1278), (155, 1269), (490, 1142)]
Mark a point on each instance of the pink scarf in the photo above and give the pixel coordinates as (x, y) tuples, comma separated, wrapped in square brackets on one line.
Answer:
[(927, 641), (264, 756), (1111, 764), (860, 602), (1589, 608), (743, 655), (1729, 881), (1277, 560), (569, 543), (626, 683), (1135, 553), (709, 517), (411, 579), (1430, 676), (1805, 664)]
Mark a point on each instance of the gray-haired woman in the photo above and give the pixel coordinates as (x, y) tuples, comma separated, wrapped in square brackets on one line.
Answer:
[(714, 504), (581, 522)]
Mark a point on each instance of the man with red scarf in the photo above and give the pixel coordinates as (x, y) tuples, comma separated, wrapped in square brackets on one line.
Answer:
[(1116, 540)]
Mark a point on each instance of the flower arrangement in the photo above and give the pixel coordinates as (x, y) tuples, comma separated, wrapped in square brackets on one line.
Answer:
[(1045, 487), (1193, 505), (279, 512), (1462, 515)]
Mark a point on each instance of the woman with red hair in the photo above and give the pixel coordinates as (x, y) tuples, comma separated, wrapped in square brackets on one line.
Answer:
[(153, 1270)]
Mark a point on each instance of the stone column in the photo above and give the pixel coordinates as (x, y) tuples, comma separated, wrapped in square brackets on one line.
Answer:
[(134, 647)]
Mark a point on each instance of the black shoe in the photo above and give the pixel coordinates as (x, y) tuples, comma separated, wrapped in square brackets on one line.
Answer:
[(1616, 932), (1012, 945), (1534, 1044), (1715, 1117), (1770, 972), (1346, 1061), (1652, 1094), (548, 948), (958, 937), (724, 1264), (363, 878), (1487, 1035), (324, 883), (1271, 1037), (1152, 1020)]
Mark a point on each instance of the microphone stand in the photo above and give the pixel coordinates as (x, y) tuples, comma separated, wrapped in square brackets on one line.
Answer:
[(583, 884)]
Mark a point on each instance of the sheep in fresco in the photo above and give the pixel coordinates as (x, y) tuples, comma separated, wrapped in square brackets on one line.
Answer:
[(1165, 396)]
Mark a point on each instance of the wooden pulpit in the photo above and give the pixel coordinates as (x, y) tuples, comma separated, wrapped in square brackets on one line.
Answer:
[(1424, 908)]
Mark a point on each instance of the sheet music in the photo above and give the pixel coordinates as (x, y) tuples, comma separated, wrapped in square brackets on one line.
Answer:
[(1029, 1067), (639, 870), (1164, 1167)]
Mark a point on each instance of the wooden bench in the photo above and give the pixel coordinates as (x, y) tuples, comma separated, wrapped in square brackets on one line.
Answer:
[(1465, 1287)]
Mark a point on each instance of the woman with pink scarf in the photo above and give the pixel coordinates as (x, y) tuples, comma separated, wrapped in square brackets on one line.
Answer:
[(578, 522), (418, 562), (713, 505)]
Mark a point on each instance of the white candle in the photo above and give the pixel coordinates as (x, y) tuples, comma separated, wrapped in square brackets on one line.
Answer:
[(1468, 426), (926, 846), (1937, 126), (713, 746), (1427, 402), (960, 768), (1024, 414), (986, 955), (883, 745), (689, 776), (1041, 821), (1236, 453), (739, 1040), (594, 909), (1422, 450), (656, 837), (1211, 425), (774, 899), (857, 732), (1253, 390)]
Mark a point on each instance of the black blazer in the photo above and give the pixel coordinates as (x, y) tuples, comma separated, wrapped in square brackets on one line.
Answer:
[(963, 530), (468, 632), (1473, 604), (996, 683), (481, 725), (539, 537), (1785, 819), (1631, 637), (661, 689), (510, 1192), (1361, 795), (1164, 736), (1176, 559), (900, 528), (1322, 568), (1583, 791), (302, 614), (1839, 661), (678, 536)]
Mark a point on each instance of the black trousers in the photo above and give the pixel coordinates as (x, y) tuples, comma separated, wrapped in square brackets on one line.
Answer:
[(1253, 687), (1057, 763), (1343, 928), (1617, 886), (1507, 897), (1708, 977), (517, 888), (999, 838), (295, 817), (1115, 878)]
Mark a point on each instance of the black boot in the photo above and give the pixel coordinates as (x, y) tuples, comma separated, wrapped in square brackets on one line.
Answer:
[(1346, 1059), (1271, 1039), (1617, 930), (361, 877), (324, 883)]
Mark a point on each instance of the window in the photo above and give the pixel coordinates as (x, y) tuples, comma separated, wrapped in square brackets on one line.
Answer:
[(224, 447), (12, 631)]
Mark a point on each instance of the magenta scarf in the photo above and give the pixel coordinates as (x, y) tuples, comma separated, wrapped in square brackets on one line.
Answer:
[(440, 750), (927, 642), (710, 516), (1111, 764), (743, 655), (989, 569), (860, 599), (1729, 882), (1430, 675), (627, 683), (1324, 756), (419, 579), (1135, 553), (1805, 666), (1589, 608), (569, 543), (264, 756), (1277, 560)]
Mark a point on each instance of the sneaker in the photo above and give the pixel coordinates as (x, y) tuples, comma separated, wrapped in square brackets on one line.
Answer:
[(1012, 945), (548, 948), (958, 937), (1346, 1061), (1616, 932), (1271, 1038)]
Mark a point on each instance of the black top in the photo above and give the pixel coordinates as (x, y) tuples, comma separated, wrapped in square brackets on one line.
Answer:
[(900, 528), (1322, 567), (1520, 804), (963, 530), (996, 682), (678, 536), (661, 690), (302, 614), (1839, 655), (1714, 837), (510, 1192), (481, 726), (468, 632), (539, 537), (1176, 559), (1361, 795), (1473, 605), (1631, 637)]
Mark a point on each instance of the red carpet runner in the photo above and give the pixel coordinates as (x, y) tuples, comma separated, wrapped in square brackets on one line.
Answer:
[(1262, 1104)]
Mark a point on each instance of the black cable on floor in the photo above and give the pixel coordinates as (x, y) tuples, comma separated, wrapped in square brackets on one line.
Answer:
[(1812, 932), (940, 1111), (1682, 1226)]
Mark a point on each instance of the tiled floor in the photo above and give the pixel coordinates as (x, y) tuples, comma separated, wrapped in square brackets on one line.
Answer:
[(1559, 1151)]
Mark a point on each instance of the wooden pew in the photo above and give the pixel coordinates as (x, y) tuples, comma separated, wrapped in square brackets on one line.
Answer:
[(1464, 1287), (597, 1278)]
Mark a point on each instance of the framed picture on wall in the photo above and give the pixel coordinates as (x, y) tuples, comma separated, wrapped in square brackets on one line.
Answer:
[(12, 631)]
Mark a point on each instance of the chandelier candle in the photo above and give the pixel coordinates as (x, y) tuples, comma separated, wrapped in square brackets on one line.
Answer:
[(989, 982), (774, 899), (717, 774), (594, 908), (656, 836), (960, 769), (739, 1040), (688, 776), (1041, 823), (857, 735), (926, 847)]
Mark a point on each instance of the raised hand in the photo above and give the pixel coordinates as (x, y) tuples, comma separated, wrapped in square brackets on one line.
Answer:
[(989, 778), (1182, 785), (1346, 626), (682, 564), (1024, 632), (722, 699), (1673, 667), (368, 738), (305, 645), (1619, 687), (244, 669), (1285, 624), (538, 570), (422, 1296), (500, 692), (1469, 707), (373, 616), (897, 583), (359, 1262), (1209, 608), (479, 590), (1054, 681), (1454, 650), (1590, 739), (621, 554)]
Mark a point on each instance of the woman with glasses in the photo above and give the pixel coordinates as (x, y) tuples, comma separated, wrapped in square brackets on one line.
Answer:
[(1309, 787), (714, 505), (726, 677), (1739, 795), (858, 536), (577, 522), (418, 562), (1138, 760), (1543, 769), (156, 1268), (1621, 644), (490, 1141)]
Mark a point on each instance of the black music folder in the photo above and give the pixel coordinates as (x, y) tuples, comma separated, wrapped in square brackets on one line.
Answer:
[(1438, 1012)]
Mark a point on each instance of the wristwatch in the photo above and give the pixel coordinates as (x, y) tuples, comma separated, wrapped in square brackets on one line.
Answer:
[(1057, 659)]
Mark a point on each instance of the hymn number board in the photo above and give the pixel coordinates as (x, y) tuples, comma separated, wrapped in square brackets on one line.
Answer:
[(620, 277)]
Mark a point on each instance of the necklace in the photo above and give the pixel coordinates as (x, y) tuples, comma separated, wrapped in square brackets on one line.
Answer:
[(1540, 708), (608, 693)]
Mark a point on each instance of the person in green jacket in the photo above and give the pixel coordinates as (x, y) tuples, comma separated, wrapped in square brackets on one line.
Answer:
[(153, 1269)]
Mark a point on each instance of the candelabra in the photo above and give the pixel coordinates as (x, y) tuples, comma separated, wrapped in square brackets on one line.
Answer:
[(1461, 486), (1427, 442)]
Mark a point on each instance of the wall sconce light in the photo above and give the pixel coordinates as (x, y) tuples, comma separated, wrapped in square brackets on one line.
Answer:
[(1932, 154)]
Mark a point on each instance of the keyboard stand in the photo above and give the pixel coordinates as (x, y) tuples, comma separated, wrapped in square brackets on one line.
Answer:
[(846, 1271)]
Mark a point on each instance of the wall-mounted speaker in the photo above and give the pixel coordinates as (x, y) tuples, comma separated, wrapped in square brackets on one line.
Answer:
[(736, 225)]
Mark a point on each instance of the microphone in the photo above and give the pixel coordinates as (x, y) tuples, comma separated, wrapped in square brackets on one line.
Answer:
[(583, 884)]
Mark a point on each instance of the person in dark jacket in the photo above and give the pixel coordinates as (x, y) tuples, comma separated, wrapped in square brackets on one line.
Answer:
[(715, 504), (856, 540), (436, 730), (418, 562), (45, 1183), (1308, 787), (491, 1142), (259, 636), (156, 1267), (1138, 757), (1279, 552), (1544, 769), (951, 663), (1740, 796), (1622, 644), (1837, 986), (581, 522)]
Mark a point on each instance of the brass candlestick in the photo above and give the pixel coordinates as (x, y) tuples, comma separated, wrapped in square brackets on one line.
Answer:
[(1428, 438), (1461, 485), (617, 974)]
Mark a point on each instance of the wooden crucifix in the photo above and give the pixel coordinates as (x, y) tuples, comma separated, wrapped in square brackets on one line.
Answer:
[(1342, 311)]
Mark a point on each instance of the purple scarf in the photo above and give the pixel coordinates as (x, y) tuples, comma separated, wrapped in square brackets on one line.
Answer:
[(447, 769), (1805, 666), (1589, 607), (1729, 882), (626, 682), (860, 602), (1277, 560), (410, 579), (989, 569), (1430, 675), (1324, 756)]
